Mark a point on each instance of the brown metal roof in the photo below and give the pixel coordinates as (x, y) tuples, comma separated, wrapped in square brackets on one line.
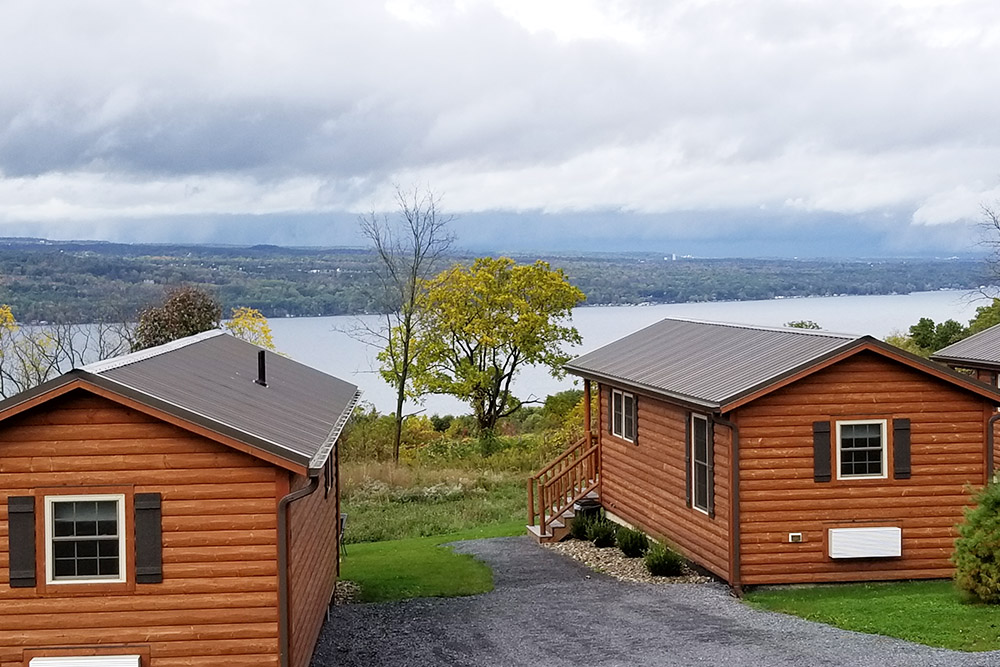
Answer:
[(208, 380), (300, 411), (982, 348), (707, 363)]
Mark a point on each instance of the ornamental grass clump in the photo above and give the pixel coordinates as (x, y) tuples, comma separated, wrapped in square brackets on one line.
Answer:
[(602, 533), (632, 542), (977, 549), (663, 562)]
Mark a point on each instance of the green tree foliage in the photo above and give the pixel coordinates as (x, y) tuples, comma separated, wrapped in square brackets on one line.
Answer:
[(802, 324), (185, 311), (930, 336), (986, 317), (903, 341), (927, 337), (480, 325), (368, 435), (977, 565), (71, 281)]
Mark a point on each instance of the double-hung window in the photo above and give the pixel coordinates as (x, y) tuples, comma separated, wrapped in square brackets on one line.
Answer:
[(700, 465), (85, 539), (623, 415), (861, 449)]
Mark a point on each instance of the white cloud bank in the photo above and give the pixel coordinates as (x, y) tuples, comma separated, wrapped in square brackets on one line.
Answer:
[(125, 109)]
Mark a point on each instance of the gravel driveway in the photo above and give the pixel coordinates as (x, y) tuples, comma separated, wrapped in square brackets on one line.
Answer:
[(549, 610)]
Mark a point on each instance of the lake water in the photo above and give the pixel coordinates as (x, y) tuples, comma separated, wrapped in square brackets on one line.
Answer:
[(322, 343)]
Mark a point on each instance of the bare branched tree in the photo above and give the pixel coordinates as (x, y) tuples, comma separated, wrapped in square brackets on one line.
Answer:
[(990, 226), (33, 354), (410, 246)]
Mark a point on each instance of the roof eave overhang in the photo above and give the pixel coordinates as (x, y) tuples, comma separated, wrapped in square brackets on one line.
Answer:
[(966, 362), (674, 397)]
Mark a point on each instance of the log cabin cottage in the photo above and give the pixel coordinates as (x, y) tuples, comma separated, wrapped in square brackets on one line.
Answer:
[(772, 456), (177, 506), (978, 355)]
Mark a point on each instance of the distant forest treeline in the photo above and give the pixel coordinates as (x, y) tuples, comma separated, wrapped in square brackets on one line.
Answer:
[(91, 281)]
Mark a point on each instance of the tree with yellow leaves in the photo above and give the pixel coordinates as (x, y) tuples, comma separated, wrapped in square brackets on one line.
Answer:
[(251, 326), (480, 325)]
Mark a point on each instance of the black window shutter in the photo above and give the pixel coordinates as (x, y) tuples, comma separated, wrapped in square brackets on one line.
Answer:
[(901, 448), (148, 539), (710, 452), (21, 540), (821, 451), (611, 411), (687, 459), (635, 419)]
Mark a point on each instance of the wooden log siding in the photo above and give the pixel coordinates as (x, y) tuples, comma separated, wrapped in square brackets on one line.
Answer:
[(644, 483), (217, 604), (778, 494), (313, 556)]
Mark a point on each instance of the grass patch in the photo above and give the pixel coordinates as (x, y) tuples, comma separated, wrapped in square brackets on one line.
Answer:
[(388, 502), (421, 567), (934, 613)]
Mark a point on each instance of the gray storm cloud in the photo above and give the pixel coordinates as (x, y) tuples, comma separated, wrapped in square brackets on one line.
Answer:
[(124, 110)]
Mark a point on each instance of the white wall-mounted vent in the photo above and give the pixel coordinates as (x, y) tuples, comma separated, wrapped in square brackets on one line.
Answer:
[(87, 661), (867, 542)]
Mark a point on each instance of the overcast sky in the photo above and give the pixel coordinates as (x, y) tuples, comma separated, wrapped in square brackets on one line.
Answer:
[(723, 128)]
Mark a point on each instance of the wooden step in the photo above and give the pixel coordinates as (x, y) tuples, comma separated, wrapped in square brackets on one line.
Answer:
[(555, 531)]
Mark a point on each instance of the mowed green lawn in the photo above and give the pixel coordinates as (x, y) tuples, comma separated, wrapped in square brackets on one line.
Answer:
[(928, 612), (421, 566)]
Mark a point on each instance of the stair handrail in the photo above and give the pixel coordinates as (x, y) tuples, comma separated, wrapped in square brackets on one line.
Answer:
[(566, 480), (559, 459)]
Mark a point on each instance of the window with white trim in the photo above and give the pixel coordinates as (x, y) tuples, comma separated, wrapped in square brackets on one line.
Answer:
[(85, 539), (861, 449), (699, 463), (623, 415)]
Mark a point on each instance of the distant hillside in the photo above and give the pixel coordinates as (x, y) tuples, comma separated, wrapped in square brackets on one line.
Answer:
[(83, 281)]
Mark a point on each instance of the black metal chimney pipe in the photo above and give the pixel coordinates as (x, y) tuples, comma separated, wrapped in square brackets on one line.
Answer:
[(261, 370)]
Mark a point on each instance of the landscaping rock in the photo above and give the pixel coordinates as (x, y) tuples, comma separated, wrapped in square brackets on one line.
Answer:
[(612, 562), (347, 592)]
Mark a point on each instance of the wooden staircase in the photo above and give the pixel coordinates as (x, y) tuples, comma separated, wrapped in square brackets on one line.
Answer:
[(552, 493)]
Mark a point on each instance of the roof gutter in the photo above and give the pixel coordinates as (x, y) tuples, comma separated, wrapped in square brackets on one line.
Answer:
[(319, 460), (990, 444), (734, 512), (284, 611)]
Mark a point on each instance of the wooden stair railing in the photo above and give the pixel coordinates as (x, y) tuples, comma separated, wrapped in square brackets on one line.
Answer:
[(570, 477)]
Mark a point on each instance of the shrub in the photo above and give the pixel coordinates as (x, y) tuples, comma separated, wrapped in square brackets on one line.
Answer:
[(977, 568), (601, 532), (580, 527), (632, 542), (441, 423), (663, 562)]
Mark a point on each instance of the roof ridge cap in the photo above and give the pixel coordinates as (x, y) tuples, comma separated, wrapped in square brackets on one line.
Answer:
[(105, 365), (760, 327)]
